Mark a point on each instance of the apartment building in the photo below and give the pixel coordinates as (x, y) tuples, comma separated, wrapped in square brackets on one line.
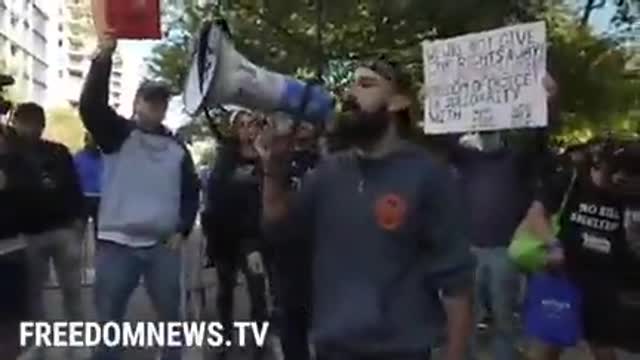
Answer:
[(71, 55), (24, 45)]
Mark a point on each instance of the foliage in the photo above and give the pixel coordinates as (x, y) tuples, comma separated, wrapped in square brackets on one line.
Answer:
[(64, 126), (170, 59), (596, 91), (204, 153), (10, 92), (626, 11), (319, 39), (322, 39)]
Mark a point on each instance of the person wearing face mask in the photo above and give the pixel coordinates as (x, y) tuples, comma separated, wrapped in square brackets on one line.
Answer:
[(149, 201), (231, 219), (89, 165), (55, 227), (389, 261), (598, 239)]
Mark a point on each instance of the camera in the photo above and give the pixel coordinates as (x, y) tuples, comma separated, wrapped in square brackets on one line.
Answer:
[(5, 105)]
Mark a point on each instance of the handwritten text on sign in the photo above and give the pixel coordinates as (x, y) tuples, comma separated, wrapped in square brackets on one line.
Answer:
[(486, 81)]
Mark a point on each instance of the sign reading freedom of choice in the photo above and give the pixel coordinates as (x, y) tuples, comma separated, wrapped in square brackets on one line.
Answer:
[(486, 81)]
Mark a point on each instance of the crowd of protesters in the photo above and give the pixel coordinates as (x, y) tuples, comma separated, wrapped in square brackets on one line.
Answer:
[(376, 250)]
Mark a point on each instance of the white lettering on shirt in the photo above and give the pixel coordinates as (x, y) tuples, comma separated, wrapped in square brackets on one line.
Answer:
[(596, 243)]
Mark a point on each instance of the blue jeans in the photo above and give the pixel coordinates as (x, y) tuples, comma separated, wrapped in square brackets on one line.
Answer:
[(118, 272), (497, 286)]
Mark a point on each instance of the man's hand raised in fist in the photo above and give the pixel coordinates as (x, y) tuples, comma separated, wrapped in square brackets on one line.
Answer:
[(107, 44)]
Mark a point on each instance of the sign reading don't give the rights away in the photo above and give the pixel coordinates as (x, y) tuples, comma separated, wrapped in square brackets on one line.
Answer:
[(485, 81)]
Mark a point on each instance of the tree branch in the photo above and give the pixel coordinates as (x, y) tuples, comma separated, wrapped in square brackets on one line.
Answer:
[(589, 8), (319, 45), (299, 42), (405, 46)]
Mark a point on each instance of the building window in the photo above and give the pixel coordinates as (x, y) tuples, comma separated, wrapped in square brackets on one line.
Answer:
[(60, 27), (14, 50), (61, 74), (75, 73), (60, 43), (76, 58)]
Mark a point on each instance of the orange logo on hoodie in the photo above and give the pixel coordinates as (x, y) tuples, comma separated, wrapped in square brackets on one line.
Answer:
[(391, 211)]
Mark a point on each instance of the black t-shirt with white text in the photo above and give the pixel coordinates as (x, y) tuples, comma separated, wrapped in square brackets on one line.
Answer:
[(592, 232), (600, 258)]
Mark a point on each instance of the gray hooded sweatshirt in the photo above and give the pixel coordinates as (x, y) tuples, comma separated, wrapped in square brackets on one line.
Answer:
[(386, 238)]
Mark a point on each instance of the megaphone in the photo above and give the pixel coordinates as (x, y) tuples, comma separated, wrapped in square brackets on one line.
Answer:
[(219, 75)]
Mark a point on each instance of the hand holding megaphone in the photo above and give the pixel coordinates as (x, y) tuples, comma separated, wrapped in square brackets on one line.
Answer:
[(273, 147)]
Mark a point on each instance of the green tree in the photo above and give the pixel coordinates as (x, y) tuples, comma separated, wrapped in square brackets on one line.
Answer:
[(321, 38), (64, 126), (8, 92), (597, 93), (627, 11), (287, 36)]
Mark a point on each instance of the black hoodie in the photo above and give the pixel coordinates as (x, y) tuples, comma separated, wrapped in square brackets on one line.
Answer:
[(60, 199), (232, 210), (18, 190)]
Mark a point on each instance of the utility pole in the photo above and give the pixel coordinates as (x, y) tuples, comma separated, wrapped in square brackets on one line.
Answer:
[(319, 33)]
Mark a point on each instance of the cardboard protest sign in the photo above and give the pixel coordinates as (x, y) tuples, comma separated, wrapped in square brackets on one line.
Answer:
[(485, 81)]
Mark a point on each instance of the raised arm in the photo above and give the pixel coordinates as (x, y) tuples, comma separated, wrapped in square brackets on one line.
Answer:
[(109, 129), (286, 213), (548, 201)]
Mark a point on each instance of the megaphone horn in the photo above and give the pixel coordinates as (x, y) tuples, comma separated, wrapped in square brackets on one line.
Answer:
[(219, 74)]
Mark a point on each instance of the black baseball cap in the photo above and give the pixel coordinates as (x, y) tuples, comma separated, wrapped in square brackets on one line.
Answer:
[(154, 91)]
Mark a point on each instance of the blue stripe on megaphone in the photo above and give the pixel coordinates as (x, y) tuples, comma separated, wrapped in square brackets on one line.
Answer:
[(318, 107)]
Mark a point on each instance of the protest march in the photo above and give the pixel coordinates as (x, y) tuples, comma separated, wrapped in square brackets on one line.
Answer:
[(381, 182)]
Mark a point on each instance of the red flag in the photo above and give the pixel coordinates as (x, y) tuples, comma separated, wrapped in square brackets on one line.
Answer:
[(134, 19)]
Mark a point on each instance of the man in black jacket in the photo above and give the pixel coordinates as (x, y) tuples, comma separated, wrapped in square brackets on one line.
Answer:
[(231, 220), (17, 187), (54, 227), (290, 263)]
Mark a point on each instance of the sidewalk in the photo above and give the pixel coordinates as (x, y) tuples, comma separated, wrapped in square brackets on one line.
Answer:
[(140, 308)]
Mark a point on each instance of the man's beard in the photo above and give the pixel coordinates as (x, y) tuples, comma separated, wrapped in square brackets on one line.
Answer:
[(363, 128)]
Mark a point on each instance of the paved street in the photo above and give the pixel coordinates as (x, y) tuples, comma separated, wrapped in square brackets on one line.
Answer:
[(140, 309)]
